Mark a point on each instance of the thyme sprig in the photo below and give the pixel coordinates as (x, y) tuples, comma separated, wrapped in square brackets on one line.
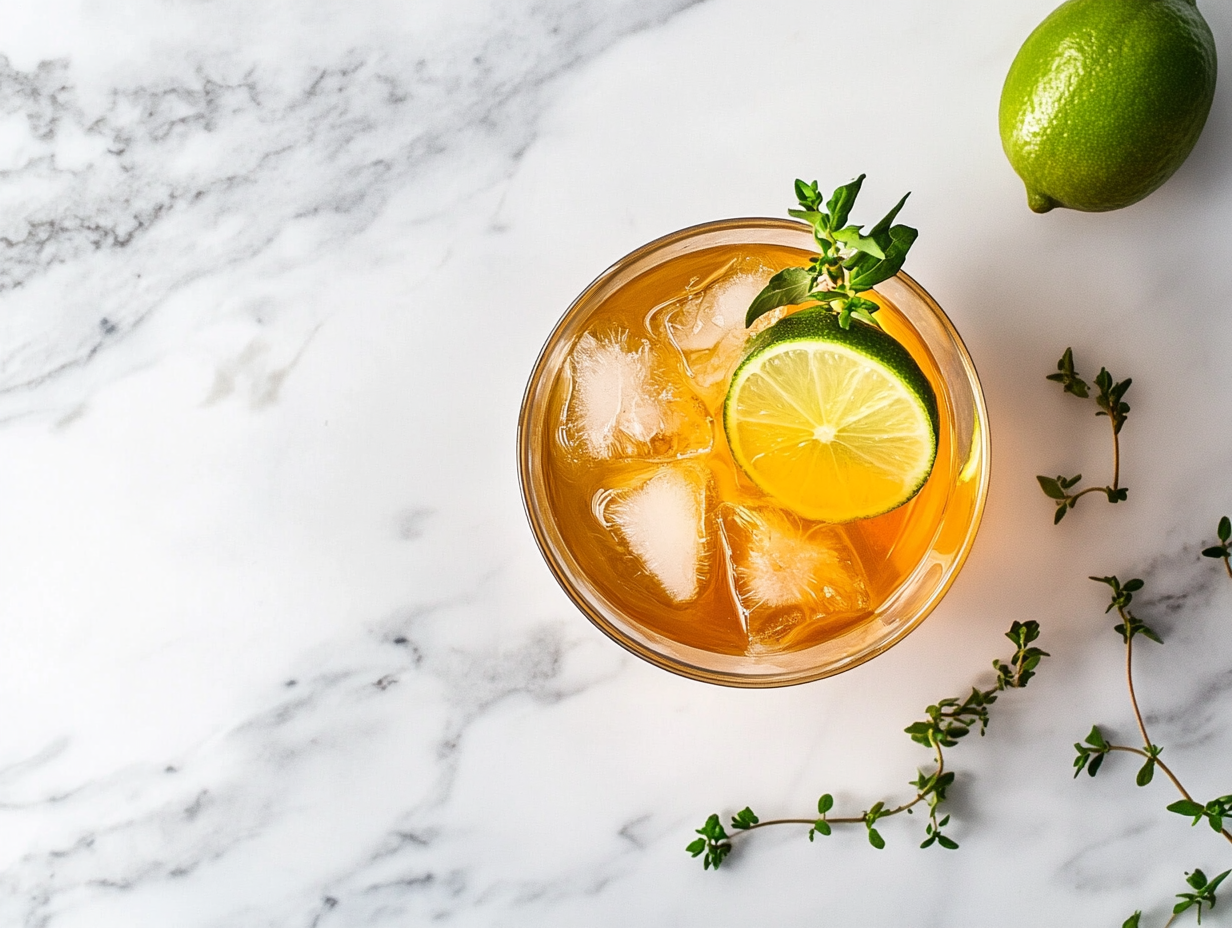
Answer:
[(1111, 403), (945, 724), (1223, 550), (1090, 754), (850, 260), (1217, 812), (1203, 895)]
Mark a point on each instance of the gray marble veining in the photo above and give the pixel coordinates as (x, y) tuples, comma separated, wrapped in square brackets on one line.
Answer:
[(276, 646)]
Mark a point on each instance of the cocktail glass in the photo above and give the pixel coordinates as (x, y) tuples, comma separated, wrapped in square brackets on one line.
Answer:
[(941, 522)]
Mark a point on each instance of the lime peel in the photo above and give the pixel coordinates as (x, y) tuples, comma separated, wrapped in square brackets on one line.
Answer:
[(1105, 100)]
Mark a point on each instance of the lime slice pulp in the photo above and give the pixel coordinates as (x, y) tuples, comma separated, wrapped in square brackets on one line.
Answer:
[(835, 424)]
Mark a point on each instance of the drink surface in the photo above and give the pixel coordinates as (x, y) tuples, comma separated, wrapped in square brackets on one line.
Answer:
[(649, 501)]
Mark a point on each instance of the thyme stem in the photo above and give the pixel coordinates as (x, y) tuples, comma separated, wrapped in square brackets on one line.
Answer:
[(854, 819), (1116, 454), (1092, 752), (1083, 493), (947, 721), (1129, 679), (1146, 740)]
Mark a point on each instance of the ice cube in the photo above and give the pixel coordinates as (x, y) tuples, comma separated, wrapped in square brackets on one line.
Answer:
[(792, 579), (662, 521), (623, 402), (718, 312), (706, 326)]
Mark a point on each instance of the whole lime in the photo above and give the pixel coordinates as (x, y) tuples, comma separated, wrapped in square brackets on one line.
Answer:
[(1106, 99)]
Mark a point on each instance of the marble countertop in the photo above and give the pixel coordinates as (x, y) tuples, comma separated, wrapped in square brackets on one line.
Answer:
[(276, 646)]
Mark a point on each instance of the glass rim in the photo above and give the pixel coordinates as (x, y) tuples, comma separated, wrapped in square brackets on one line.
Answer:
[(739, 679)]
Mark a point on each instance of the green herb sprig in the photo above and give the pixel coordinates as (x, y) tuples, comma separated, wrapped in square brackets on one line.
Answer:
[(1223, 550), (850, 261), (1203, 895), (1090, 753), (945, 724), (1111, 403)]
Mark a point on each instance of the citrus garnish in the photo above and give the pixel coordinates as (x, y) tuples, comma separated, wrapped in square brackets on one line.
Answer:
[(835, 423), (1105, 100), (827, 413)]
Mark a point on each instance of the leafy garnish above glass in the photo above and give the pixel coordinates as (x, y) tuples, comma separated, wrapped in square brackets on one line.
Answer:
[(850, 260)]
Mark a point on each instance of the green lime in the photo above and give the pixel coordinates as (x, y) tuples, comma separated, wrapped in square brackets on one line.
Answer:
[(836, 424), (1106, 99)]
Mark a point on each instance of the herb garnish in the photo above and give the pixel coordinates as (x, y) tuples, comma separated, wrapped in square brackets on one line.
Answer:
[(947, 721), (1111, 404), (850, 261), (1203, 895), (1091, 752), (1222, 550), (1095, 748)]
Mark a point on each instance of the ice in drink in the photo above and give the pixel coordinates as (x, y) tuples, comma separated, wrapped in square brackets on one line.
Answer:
[(648, 500)]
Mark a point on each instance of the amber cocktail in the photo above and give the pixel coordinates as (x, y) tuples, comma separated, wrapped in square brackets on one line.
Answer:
[(656, 534)]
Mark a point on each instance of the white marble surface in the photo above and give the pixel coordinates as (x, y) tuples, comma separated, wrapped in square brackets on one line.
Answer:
[(276, 646)]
